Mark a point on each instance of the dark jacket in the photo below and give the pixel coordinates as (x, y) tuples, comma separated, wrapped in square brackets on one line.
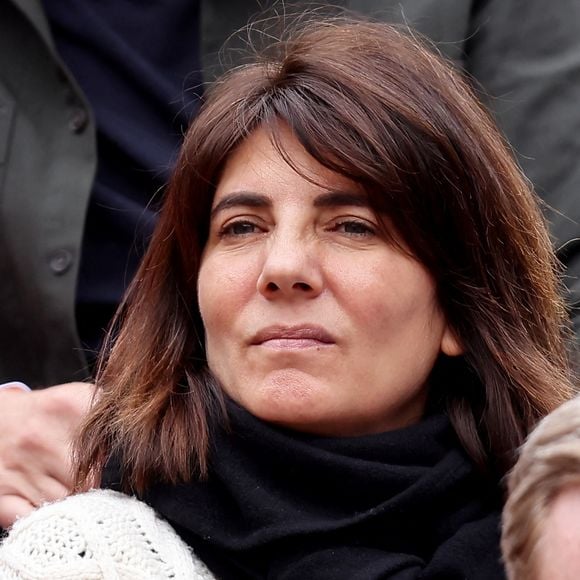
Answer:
[(47, 165)]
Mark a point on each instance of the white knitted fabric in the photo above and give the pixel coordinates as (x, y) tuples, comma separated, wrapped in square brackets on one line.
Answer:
[(99, 535)]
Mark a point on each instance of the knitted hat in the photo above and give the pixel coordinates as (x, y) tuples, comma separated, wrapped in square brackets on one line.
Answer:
[(99, 535)]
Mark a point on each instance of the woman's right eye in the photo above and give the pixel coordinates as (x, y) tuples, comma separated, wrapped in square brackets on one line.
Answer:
[(238, 228)]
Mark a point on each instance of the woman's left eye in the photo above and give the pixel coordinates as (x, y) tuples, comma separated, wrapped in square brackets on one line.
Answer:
[(353, 228), (238, 228)]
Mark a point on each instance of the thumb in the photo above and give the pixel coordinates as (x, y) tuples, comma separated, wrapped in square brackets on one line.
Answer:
[(13, 507)]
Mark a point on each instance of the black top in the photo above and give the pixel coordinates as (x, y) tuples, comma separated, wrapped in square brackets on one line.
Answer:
[(138, 64), (403, 505)]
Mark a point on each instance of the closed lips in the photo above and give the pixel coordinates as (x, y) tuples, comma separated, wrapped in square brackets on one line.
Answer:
[(293, 334)]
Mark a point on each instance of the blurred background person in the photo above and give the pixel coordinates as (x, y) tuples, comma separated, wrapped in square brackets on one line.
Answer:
[(541, 519)]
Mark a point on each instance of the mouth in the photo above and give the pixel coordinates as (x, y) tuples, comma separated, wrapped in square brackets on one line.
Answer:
[(293, 337)]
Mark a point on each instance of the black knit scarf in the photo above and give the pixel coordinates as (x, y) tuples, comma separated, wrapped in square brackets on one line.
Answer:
[(404, 505)]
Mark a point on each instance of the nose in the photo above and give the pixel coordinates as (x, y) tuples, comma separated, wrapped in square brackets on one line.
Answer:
[(291, 269)]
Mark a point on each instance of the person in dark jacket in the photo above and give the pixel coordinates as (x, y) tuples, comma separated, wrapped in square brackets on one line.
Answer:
[(346, 322), (94, 100)]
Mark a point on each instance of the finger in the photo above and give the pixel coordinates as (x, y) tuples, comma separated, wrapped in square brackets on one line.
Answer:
[(37, 491), (53, 482), (35, 456), (49, 489), (58, 465), (71, 401), (13, 507)]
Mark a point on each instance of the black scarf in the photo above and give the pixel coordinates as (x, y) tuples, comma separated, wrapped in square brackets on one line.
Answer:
[(406, 504)]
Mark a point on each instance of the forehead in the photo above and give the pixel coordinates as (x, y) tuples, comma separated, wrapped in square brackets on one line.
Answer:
[(279, 168)]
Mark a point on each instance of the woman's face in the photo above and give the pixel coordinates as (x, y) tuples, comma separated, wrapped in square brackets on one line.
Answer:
[(312, 320)]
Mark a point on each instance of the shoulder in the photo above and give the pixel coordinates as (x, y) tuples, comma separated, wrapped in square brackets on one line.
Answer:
[(98, 534)]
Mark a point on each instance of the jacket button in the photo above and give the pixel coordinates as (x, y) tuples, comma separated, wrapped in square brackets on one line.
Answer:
[(60, 261), (78, 121)]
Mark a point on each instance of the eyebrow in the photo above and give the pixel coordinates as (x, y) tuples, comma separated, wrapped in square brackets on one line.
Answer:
[(241, 198), (341, 199), (327, 199)]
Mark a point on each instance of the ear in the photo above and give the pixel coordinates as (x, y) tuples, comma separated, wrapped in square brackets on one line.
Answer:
[(450, 344)]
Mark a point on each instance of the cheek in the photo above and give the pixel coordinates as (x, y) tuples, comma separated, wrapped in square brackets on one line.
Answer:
[(395, 303), (223, 287), (394, 288)]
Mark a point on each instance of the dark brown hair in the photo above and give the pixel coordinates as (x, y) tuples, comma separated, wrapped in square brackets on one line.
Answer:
[(372, 103)]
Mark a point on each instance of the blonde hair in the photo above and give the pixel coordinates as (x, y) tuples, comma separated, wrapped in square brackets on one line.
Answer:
[(549, 462)]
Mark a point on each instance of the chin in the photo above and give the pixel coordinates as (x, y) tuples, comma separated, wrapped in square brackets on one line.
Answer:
[(290, 398)]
